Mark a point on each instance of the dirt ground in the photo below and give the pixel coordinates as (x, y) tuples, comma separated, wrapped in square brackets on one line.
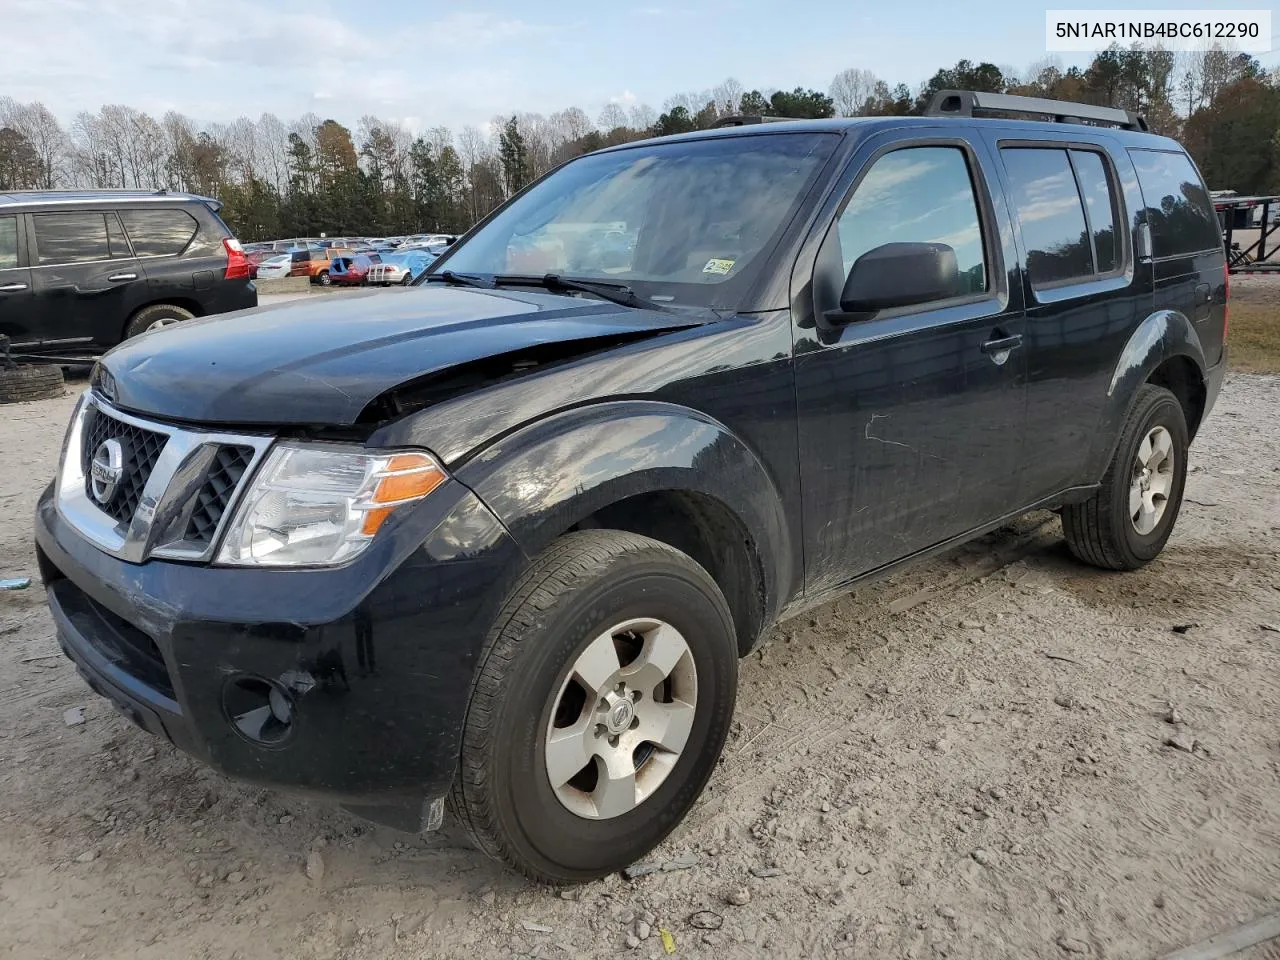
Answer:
[(972, 759)]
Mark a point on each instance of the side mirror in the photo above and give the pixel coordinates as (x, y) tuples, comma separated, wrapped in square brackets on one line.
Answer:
[(899, 275)]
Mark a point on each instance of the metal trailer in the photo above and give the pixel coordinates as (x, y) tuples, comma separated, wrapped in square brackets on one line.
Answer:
[(1237, 213)]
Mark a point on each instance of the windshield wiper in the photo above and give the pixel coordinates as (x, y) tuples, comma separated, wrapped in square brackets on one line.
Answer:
[(614, 292), (460, 279)]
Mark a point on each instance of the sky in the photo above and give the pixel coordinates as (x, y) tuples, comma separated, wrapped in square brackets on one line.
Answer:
[(424, 64)]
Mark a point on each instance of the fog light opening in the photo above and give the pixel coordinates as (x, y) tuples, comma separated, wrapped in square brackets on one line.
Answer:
[(258, 709)]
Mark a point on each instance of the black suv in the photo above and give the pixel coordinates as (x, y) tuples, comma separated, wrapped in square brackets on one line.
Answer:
[(502, 537), (80, 272)]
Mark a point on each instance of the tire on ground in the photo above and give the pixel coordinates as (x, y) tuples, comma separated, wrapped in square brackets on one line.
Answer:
[(583, 584), (145, 317), (1101, 531), (24, 383)]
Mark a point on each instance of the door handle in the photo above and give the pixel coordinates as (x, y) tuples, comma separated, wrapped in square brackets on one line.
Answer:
[(118, 277), (1002, 344), (12, 287)]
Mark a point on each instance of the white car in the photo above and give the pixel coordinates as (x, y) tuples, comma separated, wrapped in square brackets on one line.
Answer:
[(399, 268), (277, 268)]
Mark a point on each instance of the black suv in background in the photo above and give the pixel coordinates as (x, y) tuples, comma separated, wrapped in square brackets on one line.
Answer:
[(503, 537), (80, 272)]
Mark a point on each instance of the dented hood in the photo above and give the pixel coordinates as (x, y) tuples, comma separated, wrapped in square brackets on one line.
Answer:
[(323, 359)]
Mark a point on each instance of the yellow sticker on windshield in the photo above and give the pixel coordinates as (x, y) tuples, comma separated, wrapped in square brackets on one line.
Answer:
[(719, 266)]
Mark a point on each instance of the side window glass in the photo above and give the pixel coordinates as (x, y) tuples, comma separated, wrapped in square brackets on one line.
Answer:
[(116, 240), (1100, 204), (8, 242), (1178, 208), (159, 233), (71, 238), (1051, 215), (916, 195)]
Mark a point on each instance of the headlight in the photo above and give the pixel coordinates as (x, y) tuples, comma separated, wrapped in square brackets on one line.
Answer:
[(315, 505)]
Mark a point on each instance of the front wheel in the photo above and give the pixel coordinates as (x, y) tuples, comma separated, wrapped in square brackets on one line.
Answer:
[(1128, 520), (602, 704), (323, 278)]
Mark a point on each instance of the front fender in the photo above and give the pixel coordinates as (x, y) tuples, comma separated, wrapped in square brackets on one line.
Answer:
[(1162, 336), (556, 472)]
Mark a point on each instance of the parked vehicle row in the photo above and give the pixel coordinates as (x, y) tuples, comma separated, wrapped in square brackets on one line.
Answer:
[(79, 271), (330, 261)]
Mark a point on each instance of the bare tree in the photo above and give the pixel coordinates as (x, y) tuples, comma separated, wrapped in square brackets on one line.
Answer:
[(851, 90), (612, 116), (40, 129), (727, 95), (273, 142), (643, 116)]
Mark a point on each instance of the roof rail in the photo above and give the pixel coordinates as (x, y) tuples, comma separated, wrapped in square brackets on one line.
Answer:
[(963, 103), (743, 120)]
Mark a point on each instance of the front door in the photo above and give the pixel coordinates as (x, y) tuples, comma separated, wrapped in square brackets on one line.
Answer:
[(15, 283), (910, 420)]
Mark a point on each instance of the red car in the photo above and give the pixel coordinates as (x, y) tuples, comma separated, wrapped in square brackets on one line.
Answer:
[(352, 271)]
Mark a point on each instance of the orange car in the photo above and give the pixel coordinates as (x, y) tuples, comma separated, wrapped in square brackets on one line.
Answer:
[(316, 263)]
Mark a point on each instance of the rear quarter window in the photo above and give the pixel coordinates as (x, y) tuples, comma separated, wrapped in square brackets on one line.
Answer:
[(1178, 207), (159, 233), (8, 242)]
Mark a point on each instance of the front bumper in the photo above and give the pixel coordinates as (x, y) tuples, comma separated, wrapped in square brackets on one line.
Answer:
[(373, 662)]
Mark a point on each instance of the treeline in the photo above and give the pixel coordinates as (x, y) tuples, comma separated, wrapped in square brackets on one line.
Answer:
[(316, 176)]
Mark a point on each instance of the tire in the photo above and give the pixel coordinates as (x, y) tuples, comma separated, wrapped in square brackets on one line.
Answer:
[(566, 602), (323, 278), (154, 317), (406, 280), (25, 383), (1103, 531)]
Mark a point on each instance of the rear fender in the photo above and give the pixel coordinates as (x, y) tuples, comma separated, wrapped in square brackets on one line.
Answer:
[(1163, 335)]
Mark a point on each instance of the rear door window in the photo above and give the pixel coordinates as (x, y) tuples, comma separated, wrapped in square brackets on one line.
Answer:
[(8, 242), (159, 233), (1099, 205), (1051, 215), (1178, 207), (116, 239), (70, 238)]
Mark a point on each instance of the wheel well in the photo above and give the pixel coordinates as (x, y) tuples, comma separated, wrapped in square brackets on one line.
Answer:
[(1180, 377), (710, 533), (192, 305)]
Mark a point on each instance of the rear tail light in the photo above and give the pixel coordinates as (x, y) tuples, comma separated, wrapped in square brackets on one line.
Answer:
[(1226, 298), (237, 262)]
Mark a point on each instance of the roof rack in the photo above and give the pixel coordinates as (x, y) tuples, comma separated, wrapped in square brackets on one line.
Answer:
[(963, 103), (743, 120)]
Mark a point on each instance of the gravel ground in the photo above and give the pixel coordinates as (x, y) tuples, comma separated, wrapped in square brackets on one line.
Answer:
[(1000, 753)]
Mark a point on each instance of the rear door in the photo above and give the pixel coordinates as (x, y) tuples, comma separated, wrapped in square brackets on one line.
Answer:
[(86, 279), (1085, 291), (16, 317), (179, 267)]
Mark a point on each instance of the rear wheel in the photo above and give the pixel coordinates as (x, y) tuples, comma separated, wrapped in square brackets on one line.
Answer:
[(1127, 522), (601, 707), (155, 317), (323, 278), (406, 279)]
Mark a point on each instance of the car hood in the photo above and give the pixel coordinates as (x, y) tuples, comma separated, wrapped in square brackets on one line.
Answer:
[(323, 359)]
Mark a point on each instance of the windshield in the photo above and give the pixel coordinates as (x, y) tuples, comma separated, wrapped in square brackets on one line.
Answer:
[(683, 222)]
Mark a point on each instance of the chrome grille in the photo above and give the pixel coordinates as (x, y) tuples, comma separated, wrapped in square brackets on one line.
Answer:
[(176, 490), (225, 471), (141, 451)]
